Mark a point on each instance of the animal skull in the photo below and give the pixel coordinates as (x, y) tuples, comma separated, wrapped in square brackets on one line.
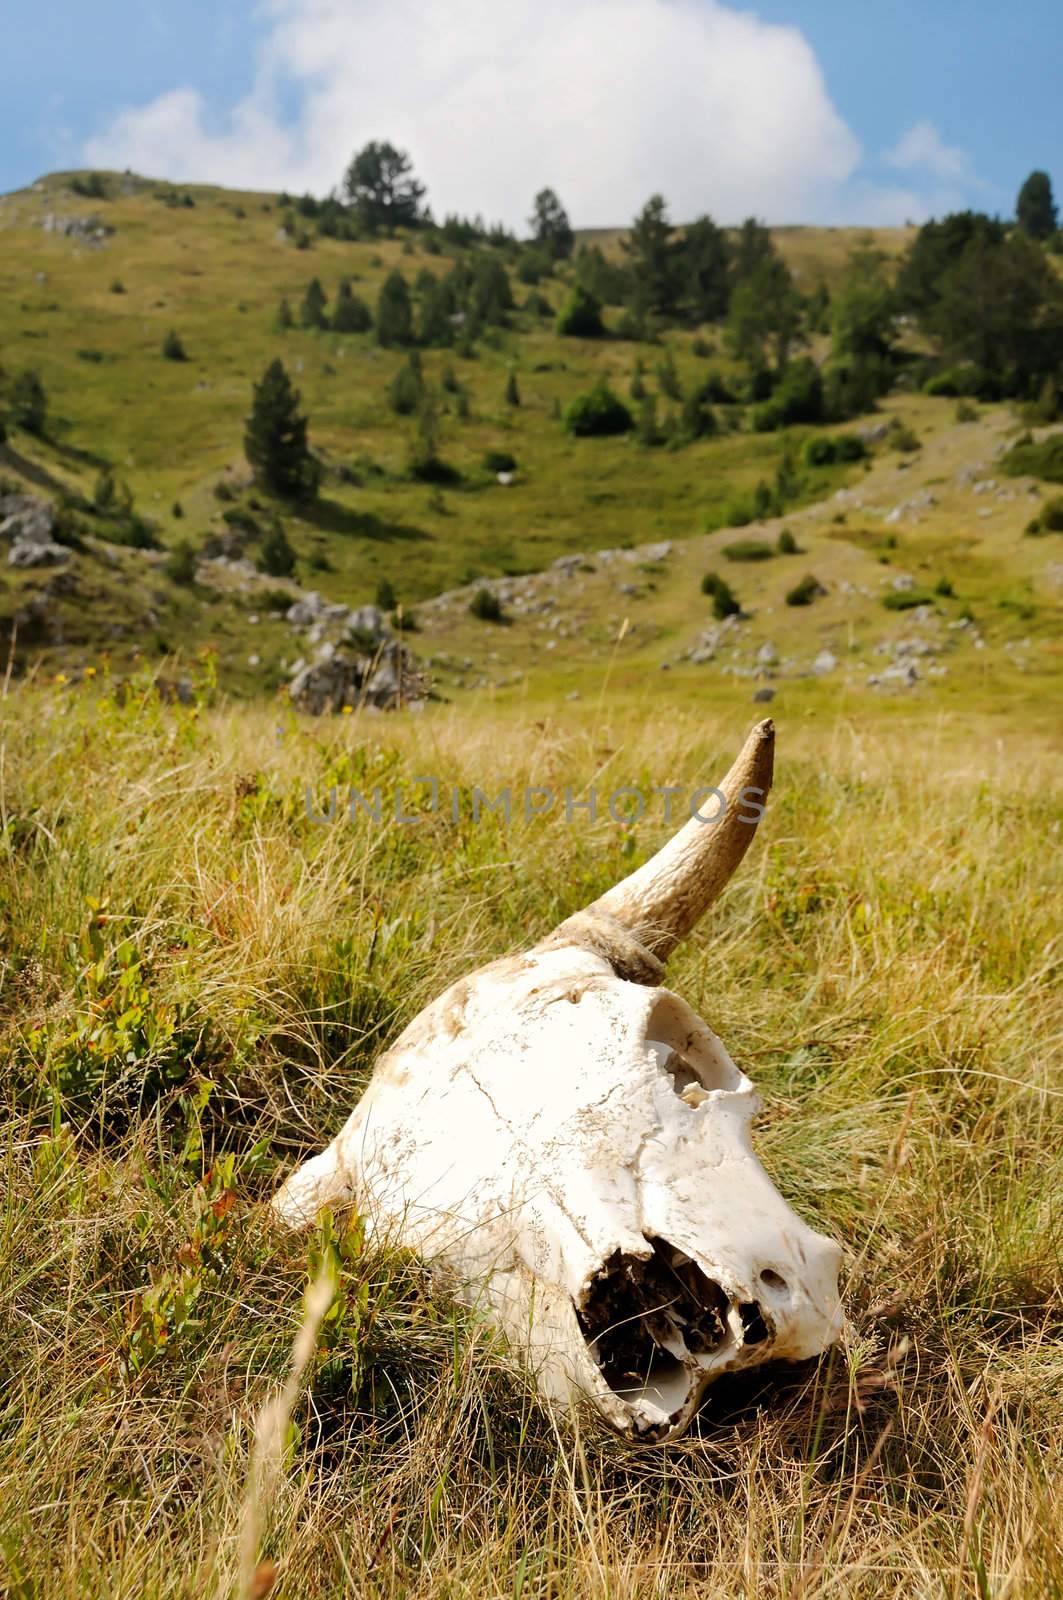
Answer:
[(573, 1142)]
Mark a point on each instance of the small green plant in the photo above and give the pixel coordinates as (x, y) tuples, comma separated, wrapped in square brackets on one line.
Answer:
[(902, 438), (907, 599), (499, 461), (597, 413), (944, 588), (724, 600), (1036, 460), (786, 544), (511, 395), (748, 550), (407, 387), (581, 315), (386, 597), (486, 606), (173, 348), (278, 555), (965, 412), (180, 565), (803, 593)]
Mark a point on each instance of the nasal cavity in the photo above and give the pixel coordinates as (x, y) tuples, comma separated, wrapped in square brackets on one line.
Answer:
[(642, 1316)]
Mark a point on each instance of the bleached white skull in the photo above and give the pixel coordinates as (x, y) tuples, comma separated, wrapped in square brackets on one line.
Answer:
[(573, 1143)]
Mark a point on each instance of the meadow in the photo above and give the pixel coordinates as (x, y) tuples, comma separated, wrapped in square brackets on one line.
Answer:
[(195, 981)]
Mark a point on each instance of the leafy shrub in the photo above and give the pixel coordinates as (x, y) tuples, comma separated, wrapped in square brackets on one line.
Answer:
[(1043, 460), (350, 313), (825, 449), (96, 357), (486, 606), (901, 437), (748, 550), (386, 598), (944, 588), (965, 379), (787, 544), (716, 388), (597, 413), (724, 600), (499, 461), (581, 315), (1050, 519), (803, 593), (965, 412), (697, 420)]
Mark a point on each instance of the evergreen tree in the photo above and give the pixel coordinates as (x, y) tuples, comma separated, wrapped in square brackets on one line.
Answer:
[(312, 310), (285, 320), (753, 247), (704, 267), (512, 395), (278, 556), (29, 402), (275, 442), (550, 226), (394, 313), (653, 259), (765, 315), (173, 347), (381, 187), (350, 314), (862, 321), (1036, 208), (581, 315), (407, 387)]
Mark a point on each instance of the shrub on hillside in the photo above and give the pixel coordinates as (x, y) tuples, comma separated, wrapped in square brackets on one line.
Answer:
[(406, 387), (597, 413), (180, 565), (278, 555), (486, 606), (499, 461), (724, 601), (1036, 460), (748, 550), (965, 379), (787, 544), (803, 593), (907, 599), (1049, 519), (824, 450), (350, 314), (581, 315), (29, 402), (798, 397), (173, 347)]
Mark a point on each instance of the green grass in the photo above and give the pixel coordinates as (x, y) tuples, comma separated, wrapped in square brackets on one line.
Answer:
[(196, 980)]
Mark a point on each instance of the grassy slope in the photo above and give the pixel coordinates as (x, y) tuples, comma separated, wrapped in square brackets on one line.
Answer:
[(886, 968), (881, 967)]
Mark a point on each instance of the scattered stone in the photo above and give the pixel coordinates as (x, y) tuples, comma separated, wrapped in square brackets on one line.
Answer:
[(825, 662), (767, 655), (761, 696), (388, 680)]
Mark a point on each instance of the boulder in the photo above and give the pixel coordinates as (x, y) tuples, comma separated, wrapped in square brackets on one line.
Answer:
[(38, 555), (389, 680), (24, 519)]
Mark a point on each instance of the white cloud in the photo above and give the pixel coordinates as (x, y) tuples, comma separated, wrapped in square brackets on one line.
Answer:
[(605, 100), (922, 149)]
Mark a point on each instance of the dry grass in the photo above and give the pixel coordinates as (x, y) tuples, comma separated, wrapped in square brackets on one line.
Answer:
[(195, 981)]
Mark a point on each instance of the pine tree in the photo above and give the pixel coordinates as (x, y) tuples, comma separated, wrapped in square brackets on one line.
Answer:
[(1036, 207), (351, 314), (704, 268), (653, 258), (275, 442), (512, 395), (29, 402), (550, 225), (278, 555), (312, 310), (394, 314), (285, 320), (381, 187), (173, 347)]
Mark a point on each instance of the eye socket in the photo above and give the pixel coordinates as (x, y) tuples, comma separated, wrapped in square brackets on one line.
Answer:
[(773, 1280)]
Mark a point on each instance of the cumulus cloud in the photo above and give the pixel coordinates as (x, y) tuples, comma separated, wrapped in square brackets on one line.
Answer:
[(923, 149), (605, 100)]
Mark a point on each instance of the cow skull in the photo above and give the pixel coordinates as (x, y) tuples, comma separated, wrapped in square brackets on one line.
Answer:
[(573, 1143)]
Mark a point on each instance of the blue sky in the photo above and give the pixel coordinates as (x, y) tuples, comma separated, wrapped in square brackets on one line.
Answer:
[(827, 111)]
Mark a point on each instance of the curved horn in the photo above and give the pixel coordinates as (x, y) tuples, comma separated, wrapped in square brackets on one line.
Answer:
[(662, 901)]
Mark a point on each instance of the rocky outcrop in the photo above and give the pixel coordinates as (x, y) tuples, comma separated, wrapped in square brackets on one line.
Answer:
[(29, 524), (388, 679)]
